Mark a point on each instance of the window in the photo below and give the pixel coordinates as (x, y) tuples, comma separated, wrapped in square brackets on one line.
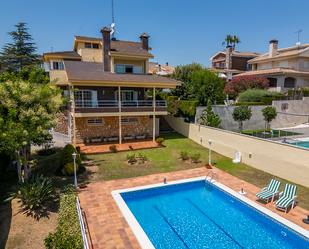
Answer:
[(121, 68), (289, 82), (129, 120), (58, 65), (91, 45), (128, 95), (94, 121), (85, 98)]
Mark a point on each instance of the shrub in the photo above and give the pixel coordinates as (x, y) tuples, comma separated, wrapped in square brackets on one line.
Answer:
[(142, 157), (46, 151), (258, 95), (113, 148), (35, 192), (66, 155), (242, 83), (187, 108), (131, 158), (160, 140), (195, 157), (209, 118), (269, 113), (184, 155), (68, 168), (240, 114), (67, 233), (249, 103)]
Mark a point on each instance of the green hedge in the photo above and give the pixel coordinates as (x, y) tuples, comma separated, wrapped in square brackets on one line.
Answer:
[(259, 95), (185, 108), (67, 234), (249, 103)]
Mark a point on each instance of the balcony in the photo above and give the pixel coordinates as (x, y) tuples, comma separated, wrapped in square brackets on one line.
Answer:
[(110, 106)]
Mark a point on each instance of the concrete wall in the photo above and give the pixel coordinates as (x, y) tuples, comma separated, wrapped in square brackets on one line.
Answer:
[(227, 121), (286, 117), (281, 160)]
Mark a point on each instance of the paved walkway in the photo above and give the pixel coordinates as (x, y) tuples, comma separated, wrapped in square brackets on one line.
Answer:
[(109, 229), (104, 148)]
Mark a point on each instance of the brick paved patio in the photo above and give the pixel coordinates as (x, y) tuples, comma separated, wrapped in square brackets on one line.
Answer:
[(109, 229)]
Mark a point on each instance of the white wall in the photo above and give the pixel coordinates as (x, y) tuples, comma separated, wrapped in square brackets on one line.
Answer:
[(281, 160)]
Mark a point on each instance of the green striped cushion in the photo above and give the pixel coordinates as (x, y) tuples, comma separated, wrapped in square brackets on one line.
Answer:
[(266, 194), (284, 202), (273, 185), (271, 189)]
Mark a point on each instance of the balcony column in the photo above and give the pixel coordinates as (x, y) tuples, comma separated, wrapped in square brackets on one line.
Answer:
[(72, 111), (119, 117), (154, 115)]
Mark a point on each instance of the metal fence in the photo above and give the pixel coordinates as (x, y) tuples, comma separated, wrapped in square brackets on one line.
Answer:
[(82, 225)]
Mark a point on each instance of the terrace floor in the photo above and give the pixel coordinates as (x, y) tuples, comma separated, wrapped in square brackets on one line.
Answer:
[(107, 226), (104, 148)]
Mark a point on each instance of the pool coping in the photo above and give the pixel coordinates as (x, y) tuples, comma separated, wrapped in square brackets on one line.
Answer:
[(144, 240)]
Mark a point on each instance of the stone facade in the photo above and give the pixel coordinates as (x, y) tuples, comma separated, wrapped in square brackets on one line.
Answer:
[(62, 125), (110, 127)]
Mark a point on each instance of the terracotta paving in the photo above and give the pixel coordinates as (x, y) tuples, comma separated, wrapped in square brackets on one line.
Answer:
[(109, 229), (104, 148)]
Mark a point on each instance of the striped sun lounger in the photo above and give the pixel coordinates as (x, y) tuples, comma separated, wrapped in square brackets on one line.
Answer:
[(269, 192), (287, 197)]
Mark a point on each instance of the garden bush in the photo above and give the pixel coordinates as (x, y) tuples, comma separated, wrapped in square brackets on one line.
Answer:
[(131, 158), (66, 155), (242, 83), (187, 108), (184, 155), (258, 95), (67, 234), (35, 193), (113, 148), (68, 168), (249, 103), (195, 157), (159, 140), (142, 157)]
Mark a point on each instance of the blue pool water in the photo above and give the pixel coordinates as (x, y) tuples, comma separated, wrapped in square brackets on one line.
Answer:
[(199, 215), (304, 144)]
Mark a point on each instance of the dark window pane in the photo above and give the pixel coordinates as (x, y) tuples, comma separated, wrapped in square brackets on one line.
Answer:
[(87, 45), (129, 69), (289, 82), (95, 45)]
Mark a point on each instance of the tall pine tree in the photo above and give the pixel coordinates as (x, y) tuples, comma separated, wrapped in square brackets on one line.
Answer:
[(21, 52)]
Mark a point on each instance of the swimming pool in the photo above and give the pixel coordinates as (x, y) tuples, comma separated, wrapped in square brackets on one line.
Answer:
[(303, 144), (196, 214)]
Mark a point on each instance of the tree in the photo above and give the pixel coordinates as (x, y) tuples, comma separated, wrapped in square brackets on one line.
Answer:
[(206, 85), (209, 118), (242, 83), (184, 73), (21, 52), (27, 113), (269, 114), (32, 74), (231, 40), (241, 114)]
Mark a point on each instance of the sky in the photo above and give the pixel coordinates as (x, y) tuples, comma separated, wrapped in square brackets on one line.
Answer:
[(181, 31)]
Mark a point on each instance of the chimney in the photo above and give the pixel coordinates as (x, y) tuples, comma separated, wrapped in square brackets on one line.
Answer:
[(106, 36), (145, 41), (273, 47), (228, 57)]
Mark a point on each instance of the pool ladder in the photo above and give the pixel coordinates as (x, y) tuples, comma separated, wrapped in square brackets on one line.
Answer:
[(211, 176)]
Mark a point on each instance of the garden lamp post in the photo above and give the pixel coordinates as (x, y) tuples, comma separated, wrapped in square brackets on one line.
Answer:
[(209, 152), (74, 161)]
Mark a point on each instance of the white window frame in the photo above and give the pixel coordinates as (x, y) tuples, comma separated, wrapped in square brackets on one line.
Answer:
[(93, 93), (59, 67)]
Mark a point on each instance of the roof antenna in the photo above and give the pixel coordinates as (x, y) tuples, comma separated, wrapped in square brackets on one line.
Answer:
[(113, 25), (298, 36)]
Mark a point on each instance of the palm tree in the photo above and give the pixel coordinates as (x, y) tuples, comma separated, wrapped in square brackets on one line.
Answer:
[(235, 40), (228, 40), (231, 40)]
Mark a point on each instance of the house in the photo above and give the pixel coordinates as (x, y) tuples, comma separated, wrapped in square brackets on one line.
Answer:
[(111, 94), (159, 69), (230, 62), (286, 68)]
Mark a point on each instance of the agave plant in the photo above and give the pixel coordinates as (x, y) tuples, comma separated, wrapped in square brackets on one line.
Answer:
[(35, 192)]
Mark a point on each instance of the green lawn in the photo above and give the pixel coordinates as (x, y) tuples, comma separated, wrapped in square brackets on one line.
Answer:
[(167, 159)]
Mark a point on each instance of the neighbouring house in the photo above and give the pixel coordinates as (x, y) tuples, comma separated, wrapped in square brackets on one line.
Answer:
[(163, 70), (230, 62), (111, 94), (286, 68)]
